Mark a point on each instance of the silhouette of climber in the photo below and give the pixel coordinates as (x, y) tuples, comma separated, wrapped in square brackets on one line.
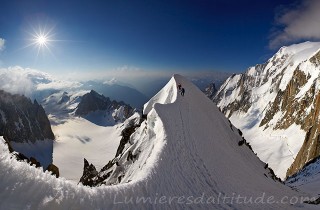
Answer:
[(179, 86), (182, 91)]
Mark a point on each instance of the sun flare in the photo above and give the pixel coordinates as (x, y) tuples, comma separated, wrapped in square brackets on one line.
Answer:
[(42, 40)]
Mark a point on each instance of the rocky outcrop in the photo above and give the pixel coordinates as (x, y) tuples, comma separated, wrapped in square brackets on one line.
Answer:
[(316, 59), (286, 102), (54, 170), (126, 133), (91, 177), (313, 202), (34, 161), (89, 174), (21, 120), (93, 101)]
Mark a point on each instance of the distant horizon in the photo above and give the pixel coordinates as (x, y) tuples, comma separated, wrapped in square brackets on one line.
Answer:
[(29, 82)]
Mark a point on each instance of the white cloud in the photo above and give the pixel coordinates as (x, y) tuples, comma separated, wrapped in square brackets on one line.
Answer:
[(25, 81), (15, 80), (299, 22), (2, 42), (126, 68), (58, 85), (111, 81)]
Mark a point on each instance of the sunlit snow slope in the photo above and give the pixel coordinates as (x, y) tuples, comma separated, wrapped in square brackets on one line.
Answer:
[(79, 138), (195, 161)]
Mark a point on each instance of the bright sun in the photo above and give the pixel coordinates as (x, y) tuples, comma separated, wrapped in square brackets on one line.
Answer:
[(42, 40), (41, 37)]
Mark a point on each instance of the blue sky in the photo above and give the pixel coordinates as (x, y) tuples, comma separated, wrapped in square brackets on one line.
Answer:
[(164, 35)]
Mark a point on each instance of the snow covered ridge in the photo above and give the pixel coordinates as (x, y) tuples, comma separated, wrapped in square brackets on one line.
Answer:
[(275, 104), (166, 95), (139, 153), (189, 159)]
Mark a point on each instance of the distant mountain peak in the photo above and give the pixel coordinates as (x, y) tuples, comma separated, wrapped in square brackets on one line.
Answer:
[(276, 106), (211, 90), (117, 92), (93, 101)]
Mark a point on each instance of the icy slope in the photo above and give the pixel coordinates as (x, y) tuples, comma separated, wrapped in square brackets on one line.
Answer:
[(193, 161)]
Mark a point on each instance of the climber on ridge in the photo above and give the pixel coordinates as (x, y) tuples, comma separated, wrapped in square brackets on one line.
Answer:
[(182, 91)]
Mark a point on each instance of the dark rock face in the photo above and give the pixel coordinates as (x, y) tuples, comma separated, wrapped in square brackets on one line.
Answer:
[(89, 173), (309, 150), (126, 133), (316, 59), (314, 202), (211, 90), (34, 161), (286, 102), (93, 101), (53, 169), (21, 120)]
